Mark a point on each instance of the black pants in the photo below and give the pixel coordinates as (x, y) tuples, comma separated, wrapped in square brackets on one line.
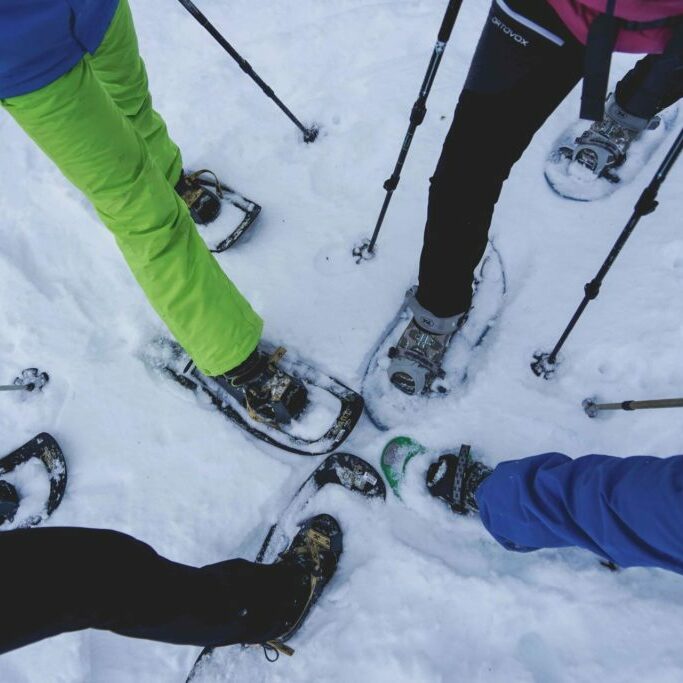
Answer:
[(56, 580), (518, 76)]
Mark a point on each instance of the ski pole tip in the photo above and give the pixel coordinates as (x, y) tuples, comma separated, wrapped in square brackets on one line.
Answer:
[(590, 407), (543, 365), (362, 252), (311, 134)]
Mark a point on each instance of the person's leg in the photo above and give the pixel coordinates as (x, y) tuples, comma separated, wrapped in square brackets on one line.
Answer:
[(119, 67), (68, 579), (626, 510), (523, 67), (654, 83), (77, 124)]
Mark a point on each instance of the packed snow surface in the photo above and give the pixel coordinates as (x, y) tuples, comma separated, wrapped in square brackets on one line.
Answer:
[(420, 596)]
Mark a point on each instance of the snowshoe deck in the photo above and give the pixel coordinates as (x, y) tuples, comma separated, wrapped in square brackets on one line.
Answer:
[(572, 181), (44, 448), (387, 406), (169, 357), (342, 469)]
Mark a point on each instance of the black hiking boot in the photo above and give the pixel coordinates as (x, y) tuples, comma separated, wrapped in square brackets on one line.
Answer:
[(315, 552), (455, 479), (417, 357), (204, 204), (268, 393)]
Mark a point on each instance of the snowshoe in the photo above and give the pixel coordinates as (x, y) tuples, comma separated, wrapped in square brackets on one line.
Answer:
[(342, 469), (410, 365), (452, 478), (588, 164), (25, 511), (278, 401), (208, 199)]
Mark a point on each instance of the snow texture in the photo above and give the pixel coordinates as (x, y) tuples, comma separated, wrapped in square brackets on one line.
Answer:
[(421, 596)]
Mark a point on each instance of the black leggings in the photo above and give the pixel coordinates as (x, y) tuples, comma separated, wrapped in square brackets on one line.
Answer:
[(525, 64), (56, 580)]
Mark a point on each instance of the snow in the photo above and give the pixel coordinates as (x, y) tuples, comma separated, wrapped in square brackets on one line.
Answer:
[(420, 596)]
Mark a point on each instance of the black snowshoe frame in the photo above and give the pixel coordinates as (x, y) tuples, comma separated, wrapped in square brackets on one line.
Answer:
[(250, 208), (45, 448), (350, 411), (344, 469)]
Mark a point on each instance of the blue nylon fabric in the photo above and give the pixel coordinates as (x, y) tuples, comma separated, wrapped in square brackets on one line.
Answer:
[(627, 510), (40, 40)]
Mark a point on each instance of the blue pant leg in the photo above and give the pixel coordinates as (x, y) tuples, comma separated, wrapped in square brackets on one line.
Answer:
[(627, 510)]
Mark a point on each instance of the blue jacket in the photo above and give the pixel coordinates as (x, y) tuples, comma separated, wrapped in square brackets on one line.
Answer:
[(40, 40)]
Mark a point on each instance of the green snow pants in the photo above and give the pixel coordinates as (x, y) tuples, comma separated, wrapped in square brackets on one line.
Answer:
[(97, 124)]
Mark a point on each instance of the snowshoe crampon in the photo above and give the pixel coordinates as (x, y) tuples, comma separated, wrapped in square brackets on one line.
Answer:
[(329, 401), (238, 214), (386, 405), (241, 663), (45, 450)]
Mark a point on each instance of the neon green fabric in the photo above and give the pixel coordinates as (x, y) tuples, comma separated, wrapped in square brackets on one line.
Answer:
[(97, 124)]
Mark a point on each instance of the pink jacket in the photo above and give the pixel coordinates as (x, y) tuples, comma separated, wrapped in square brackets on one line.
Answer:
[(578, 15)]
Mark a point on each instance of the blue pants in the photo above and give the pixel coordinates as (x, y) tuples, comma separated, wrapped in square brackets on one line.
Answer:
[(627, 510)]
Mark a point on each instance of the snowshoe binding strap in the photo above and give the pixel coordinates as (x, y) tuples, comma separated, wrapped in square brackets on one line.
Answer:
[(416, 359), (307, 551), (455, 479), (214, 183), (202, 197)]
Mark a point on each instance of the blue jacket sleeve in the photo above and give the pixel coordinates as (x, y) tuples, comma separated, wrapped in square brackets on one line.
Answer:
[(627, 510)]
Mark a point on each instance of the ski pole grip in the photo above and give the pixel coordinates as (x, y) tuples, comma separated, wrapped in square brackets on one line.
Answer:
[(449, 20)]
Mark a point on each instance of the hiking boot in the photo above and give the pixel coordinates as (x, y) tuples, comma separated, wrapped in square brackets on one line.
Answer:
[(204, 204)]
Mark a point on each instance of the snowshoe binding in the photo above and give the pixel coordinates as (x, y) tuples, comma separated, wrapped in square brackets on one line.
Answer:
[(206, 196), (315, 550), (416, 359), (602, 148), (592, 164), (268, 394), (455, 480), (273, 399), (204, 205), (9, 502)]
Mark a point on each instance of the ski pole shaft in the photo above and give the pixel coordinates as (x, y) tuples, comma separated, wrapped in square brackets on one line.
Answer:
[(593, 408), (418, 113), (646, 204), (13, 387), (310, 134)]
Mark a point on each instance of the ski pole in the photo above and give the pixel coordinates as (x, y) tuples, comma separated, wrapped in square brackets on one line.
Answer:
[(30, 379), (544, 364), (310, 134), (592, 408), (366, 250)]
